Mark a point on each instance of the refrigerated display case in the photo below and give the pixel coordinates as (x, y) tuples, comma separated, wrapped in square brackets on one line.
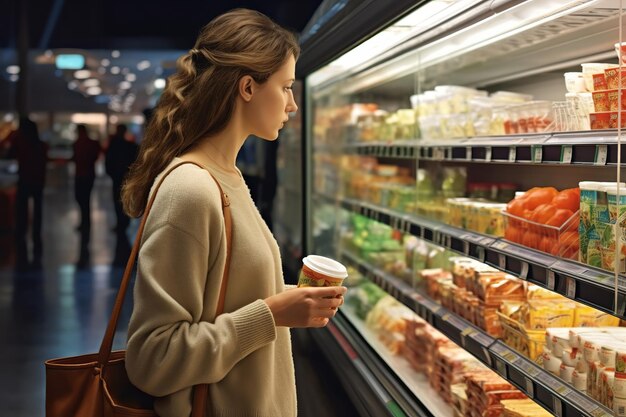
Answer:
[(473, 133)]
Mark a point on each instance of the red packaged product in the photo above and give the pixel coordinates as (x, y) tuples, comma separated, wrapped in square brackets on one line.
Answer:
[(599, 120), (599, 81)]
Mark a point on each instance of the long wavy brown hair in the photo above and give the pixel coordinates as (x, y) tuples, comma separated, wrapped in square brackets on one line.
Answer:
[(199, 99)]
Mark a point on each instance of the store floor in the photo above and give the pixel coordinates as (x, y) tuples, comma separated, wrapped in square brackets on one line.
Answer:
[(62, 310)]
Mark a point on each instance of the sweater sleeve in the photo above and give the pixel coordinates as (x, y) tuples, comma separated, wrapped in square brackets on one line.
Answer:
[(169, 346)]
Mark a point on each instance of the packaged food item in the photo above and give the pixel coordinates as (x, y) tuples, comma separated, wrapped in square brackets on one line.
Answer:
[(614, 102), (599, 81), (601, 101), (587, 231), (320, 271), (543, 314), (600, 120), (585, 316), (574, 82), (590, 68), (579, 380), (614, 119), (613, 76)]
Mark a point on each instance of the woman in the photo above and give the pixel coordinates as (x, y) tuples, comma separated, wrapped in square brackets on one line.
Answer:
[(235, 82)]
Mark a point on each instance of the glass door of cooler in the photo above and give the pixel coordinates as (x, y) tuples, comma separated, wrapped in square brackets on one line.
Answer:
[(465, 164)]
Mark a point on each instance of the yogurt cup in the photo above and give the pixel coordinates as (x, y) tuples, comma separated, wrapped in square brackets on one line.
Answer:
[(566, 373), (551, 363), (574, 82), (619, 406), (571, 356), (319, 271), (579, 380)]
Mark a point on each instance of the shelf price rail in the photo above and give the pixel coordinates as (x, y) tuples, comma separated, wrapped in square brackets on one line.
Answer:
[(582, 283), (593, 148), (555, 395)]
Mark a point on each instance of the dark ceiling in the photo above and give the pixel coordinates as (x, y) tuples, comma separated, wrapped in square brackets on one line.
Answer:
[(135, 24)]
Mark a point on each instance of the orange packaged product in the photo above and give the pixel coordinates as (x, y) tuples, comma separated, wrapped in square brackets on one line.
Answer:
[(601, 100), (599, 120), (612, 76), (599, 81), (493, 291), (494, 397), (613, 97), (613, 119)]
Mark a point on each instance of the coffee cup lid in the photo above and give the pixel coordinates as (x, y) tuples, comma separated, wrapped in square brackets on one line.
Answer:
[(325, 266)]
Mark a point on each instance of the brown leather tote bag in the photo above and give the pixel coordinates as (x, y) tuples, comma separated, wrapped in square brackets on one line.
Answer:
[(96, 384)]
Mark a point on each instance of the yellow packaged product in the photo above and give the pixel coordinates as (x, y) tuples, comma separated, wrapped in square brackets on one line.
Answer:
[(535, 292), (550, 313), (585, 316), (523, 408)]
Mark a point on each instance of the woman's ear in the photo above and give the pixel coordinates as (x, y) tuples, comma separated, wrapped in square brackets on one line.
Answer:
[(246, 87)]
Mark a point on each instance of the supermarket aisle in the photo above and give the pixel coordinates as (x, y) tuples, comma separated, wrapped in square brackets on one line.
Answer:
[(62, 310)]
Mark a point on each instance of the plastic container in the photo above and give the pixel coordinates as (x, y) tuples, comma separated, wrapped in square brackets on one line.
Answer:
[(574, 82), (558, 241), (319, 271)]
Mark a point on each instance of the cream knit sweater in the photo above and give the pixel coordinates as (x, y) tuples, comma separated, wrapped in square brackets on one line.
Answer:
[(174, 340)]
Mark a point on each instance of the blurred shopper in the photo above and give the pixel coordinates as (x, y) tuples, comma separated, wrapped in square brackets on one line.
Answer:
[(120, 154), (31, 154), (86, 153), (234, 83)]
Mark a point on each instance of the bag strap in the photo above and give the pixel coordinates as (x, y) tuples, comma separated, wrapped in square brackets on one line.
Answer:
[(200, 391)]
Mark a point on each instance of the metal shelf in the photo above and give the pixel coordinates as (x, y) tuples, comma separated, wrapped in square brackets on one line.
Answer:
[(582, 283), (555, 395), (593, 148)]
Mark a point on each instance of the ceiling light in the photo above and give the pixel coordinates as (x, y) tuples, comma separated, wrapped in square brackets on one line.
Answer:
[(113, 119), (82, 74), (131, 77), (72, 85), (102, 70), (105, 62), (13, 69), (92, 82), (143, 65), (115, 54), (115, 70), (14, 77), (94, 91), (138, 119), (159, 83), (125, 85), (125, 70)]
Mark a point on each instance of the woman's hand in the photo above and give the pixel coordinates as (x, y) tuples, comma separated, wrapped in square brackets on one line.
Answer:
[(306, 307)]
